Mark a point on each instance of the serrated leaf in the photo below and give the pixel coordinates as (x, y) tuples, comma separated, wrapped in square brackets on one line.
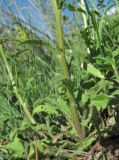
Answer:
[(95, 72), (45, 108), (101, 101), (64, 108)]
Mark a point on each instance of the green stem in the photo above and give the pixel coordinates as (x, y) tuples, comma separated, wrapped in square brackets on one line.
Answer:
[(115, 69), (73, 105), (84, 14), (15, 90), (84, 18)]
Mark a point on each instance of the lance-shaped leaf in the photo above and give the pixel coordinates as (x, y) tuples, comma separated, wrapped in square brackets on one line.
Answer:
[(101, 101), (95, 72)]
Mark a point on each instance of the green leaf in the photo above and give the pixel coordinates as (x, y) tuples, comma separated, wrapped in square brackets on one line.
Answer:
[(61, 3), (68, 83), (40, 127), (19, 53), (16, 147), (64, 108), (86, 143), (13, 133), (115, 52), (35, 42), (31, 151), (38, 102), (95, 72), (73, 8), (45, 108), (25, 124), (43, 145), (85, 97), (101, 101), (115, 93)]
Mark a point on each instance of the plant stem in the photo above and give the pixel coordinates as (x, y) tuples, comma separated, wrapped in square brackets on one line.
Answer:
[(73, 105), (36, 150), (64, 153), (15, 90), (84, 18), (84, 14)]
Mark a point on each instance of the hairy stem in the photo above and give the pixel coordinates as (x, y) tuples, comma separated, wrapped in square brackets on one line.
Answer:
[(15, 89), (73, 105)]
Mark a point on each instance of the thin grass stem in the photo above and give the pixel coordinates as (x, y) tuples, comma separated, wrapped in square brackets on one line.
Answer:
[(15, 89)]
